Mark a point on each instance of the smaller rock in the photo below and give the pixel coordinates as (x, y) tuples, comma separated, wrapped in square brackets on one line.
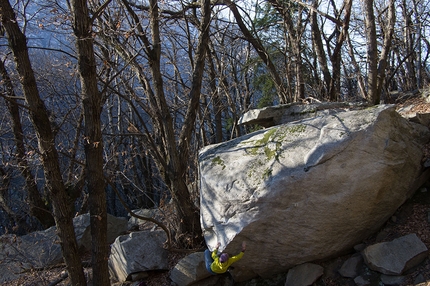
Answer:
[(115, 227), (42, 248), (281, 114), (397, 256), (190, 269), (134, 221), (137, 252), (419, 279), (351, 266), (422, 284), (139, 276), (390, 280), (421, 118), (361, 281), (359, 247), (304, 274)]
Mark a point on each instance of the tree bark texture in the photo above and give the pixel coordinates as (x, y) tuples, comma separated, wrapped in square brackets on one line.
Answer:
[(372, 52), (336, 57), (319, 48), (388, 36), (93, 141), (182, 195)]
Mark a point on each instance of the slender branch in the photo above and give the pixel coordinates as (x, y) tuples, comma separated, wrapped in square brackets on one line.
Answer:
[(99, 11), (331, 18)]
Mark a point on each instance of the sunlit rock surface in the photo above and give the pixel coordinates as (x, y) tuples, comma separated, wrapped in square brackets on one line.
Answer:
[(309, 189)]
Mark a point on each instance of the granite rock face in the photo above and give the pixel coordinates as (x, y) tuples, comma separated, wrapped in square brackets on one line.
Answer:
[(309, 189)]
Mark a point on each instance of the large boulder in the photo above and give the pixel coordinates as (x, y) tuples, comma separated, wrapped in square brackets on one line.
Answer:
[(309, 189)]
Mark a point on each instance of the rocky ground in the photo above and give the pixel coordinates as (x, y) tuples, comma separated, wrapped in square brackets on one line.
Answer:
[(412, 217)]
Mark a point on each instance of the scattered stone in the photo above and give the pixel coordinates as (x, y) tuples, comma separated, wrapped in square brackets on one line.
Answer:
[(361, 281), (21, 253), (115, 227), (359, 247), (351, 266), (42, 248), (390, 280), (134, 221), (397, 256), (137, 252), (190, 269), (304, 275), (139, 276), (419, 279)]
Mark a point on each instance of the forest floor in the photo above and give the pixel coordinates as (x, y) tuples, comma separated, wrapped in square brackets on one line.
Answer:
[(412, 217)]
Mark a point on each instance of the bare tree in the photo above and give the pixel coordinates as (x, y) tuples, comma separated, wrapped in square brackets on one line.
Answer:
[(283, 95), (92, 102), (169, 148), (332, 77), (54, 182), (377, 63)]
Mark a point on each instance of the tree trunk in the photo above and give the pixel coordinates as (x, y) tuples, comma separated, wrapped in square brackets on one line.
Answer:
[(93, 141), (372, 52), (49, 156), (319, 49), (360, 79), (183, 197), (377, 63), (172, 159), (216, 100), (336, 57), (408, 46), (388, 36)]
